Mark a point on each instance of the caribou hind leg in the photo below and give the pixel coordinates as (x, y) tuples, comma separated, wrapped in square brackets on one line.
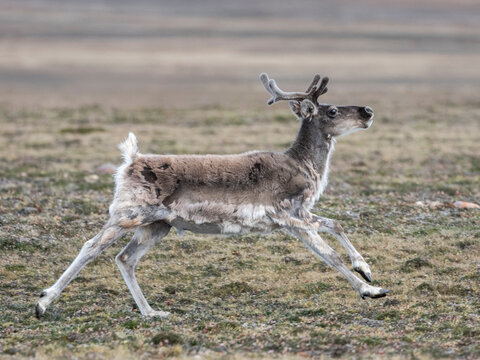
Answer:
[(90, 250), (113, 230), (143, 240)]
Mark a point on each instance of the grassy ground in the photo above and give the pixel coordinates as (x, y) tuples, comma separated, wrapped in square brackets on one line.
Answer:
[(251, 295)]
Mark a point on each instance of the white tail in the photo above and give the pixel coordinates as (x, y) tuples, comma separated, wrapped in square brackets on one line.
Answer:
[(129, 148)]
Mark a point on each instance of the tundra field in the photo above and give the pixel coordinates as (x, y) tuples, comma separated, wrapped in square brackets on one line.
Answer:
[(76, 77), (252, 295)]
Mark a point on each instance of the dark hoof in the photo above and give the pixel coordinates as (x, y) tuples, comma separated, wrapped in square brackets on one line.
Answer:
[(39, 311), (382, 293), (367, 277)]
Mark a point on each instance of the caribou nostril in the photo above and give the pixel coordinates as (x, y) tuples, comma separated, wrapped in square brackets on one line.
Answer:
[(367, 111)]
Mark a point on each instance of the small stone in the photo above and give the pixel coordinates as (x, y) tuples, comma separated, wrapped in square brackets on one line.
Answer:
[(290, 259), (11, 351), (7, 185), (120, 335), (371, 322), (28, 210), (106, 169), (435, 205), (465, 205), (91, 178), (420, 204)]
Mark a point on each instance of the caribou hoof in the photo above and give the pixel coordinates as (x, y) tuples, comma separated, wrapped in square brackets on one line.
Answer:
[(365, 274), (377, 293)]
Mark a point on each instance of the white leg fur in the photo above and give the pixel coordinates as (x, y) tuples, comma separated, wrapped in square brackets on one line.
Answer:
[(333, 227), (143, 240), (320, 248), (90, 250)]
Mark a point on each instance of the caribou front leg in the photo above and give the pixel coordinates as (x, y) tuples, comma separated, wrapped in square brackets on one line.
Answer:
[(319, 247), (334, 228)]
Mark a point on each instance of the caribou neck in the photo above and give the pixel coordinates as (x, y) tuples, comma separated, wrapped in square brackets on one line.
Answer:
[(312, 146)]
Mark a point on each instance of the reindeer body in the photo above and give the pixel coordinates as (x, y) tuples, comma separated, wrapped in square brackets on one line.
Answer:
[(227, 194), (230, 194)]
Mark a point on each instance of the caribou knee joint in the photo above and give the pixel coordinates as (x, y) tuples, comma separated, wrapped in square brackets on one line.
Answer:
[(337, 228), (335, 257), (123, 260)]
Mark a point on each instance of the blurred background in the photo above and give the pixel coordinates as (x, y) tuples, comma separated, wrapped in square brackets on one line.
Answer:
[(191, 53)]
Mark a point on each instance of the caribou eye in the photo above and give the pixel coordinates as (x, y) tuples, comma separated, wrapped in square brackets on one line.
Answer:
[(332, 112)]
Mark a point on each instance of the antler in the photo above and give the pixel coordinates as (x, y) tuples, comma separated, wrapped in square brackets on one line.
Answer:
[(312, 93)]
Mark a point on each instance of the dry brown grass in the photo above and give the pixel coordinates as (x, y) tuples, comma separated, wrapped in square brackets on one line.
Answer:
[(75, 78), (251, 296)]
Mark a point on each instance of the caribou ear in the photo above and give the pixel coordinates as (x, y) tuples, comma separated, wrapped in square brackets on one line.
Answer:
[(307, 109), (295, 107)]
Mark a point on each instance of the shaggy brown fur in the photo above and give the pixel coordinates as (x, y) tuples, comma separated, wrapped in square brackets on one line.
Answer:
[(220, 184), (259, 178)]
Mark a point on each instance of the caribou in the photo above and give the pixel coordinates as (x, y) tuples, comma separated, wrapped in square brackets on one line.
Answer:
[(257, 191)]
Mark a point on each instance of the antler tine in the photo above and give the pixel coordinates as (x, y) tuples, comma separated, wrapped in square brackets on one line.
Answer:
[(264, 79), (322, 89), (266, 84), (312, 93), (315, 81), (278, 94)]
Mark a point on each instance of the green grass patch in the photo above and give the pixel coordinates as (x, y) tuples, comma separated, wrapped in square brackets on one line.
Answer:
[(315, 288), (166, 338), (82, 130), (131, 324), (414, 264), (235, 288)]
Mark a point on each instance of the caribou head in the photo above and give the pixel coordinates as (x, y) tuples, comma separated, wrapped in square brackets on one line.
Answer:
[(330, 120)]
